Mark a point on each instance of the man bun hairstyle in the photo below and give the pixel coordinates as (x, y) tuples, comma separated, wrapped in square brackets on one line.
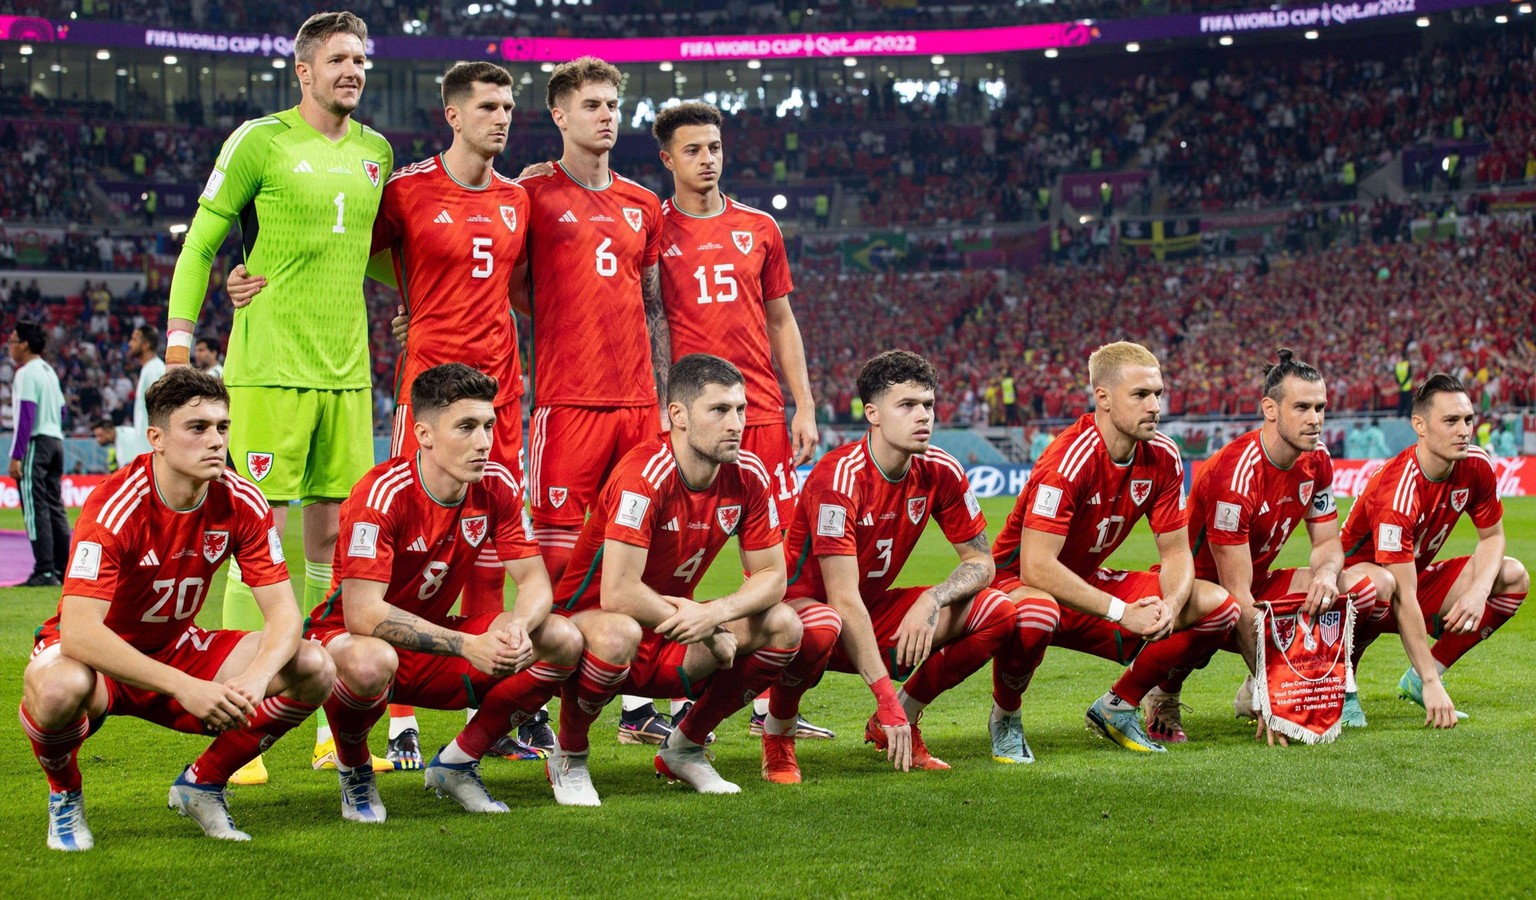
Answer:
[(569, 77), (459, 82), (440, 387), (696, 371), (178, 387), (1288, 367), (894, 367), (682, 115)]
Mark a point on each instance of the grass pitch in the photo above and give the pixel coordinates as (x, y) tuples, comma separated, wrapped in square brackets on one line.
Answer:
[(1393, 810)]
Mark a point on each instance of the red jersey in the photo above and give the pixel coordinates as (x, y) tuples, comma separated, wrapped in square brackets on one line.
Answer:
[(454, 249), (849, 508), (1078, 491), (1402, 516), (393, 531), (1240, 497), (153, 564), (716, 273), (586, 247), (646, 503)]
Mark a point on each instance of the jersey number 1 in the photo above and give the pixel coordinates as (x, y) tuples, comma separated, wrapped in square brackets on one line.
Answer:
[(341, 211)]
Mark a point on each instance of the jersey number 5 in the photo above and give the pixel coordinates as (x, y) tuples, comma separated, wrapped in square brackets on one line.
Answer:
[(481, 250)]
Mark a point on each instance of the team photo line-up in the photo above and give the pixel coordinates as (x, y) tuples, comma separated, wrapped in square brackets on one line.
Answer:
[(658, 432)]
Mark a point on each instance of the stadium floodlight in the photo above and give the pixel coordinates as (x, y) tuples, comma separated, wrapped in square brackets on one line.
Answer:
[(665, 67), (1310, 35), (1052, 53), (178, 228), (1525, 9), (780, 201), (1132, 47), (170, 60), (279, 63), (103, 54), (943, 73), (751, 64), (937, 59), (547, 68), (1501, 20), (1225, 40), (122, 73), (850, 62), (473, 9), (26, 49), (1422, 21)]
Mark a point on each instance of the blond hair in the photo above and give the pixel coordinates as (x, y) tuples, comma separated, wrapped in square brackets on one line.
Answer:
[(569, 77), (1105, 364)]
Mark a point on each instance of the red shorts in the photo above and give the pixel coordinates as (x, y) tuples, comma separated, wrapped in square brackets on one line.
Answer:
[(770, 443), (506, 445), (571, 450), (885, 614), (1092, 634), (657, 671), (428, 680), (1435, 584), (198, 652)]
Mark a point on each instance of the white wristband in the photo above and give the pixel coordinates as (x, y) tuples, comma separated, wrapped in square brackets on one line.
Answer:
[(179, 338), (1116, 609)]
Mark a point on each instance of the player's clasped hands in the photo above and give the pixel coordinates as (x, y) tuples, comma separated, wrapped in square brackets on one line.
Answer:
[(690, 622), (220, 706), (1149, 617), (914, 638), (722, 645), (491, 653), (520, 644), (243, 286)]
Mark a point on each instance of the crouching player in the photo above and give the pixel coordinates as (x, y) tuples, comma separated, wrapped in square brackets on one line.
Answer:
[(1401, 520), (1094, 481), (665, 513), (125, 642), (861, 512), (1246, 501), (410, 535)]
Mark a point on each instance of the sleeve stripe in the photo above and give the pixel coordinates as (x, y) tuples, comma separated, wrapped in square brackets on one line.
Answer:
[(129, 485), (377, 488), (388, 498), (655, 464), (121, 517), (246, 493), (944, 459), (753, 464), (1402, 500), (240, 134), (383, 489), (1079, 453), (1247, 464), (1167, 443)]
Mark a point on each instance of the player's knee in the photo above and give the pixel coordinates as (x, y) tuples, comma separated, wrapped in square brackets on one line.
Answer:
[(314, 673), (560, 642), (820, 619), (613, 638), (782, 627), (1513, 577), (367, 666), (55, 691)]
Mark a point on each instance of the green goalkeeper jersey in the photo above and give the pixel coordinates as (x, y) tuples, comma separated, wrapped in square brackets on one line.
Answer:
[(305, 207)]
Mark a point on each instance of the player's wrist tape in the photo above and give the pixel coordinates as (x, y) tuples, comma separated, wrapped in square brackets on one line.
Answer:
[(888, 711), (1116, 610), (178, 346)]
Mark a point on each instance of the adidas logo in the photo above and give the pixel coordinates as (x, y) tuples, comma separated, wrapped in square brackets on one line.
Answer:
[(568, 217), (1094, 500), (671, 525), (443, 218), (303, 166), (869, 519), (673, 250), (1264, 509), (419, 545), (150, 559)]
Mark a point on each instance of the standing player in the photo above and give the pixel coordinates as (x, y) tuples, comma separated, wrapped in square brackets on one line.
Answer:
[(725, 283), (124, 641), (1246, 501), (1401, 520), (862, 511), (304, 185), (660, 521), (1095, 480), (143, 348), (412, 531)]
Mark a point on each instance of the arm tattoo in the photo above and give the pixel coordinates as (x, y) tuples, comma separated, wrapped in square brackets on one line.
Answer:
[(966, 579), (656, 323), (402, 629)]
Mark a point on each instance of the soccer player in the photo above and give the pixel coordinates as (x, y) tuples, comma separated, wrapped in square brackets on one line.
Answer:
[(861, 513), (1092, 484), (143, 348), (725, 283), (304, 185), (125, 642), (659, 522), (36, 460), (412, 530), (1246, 501), (1401, 520)]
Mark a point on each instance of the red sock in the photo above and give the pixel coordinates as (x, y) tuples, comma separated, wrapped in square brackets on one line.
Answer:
[(583, 697), (731, 689), (509, 703), (483, 591), (556, 545), (989, 622), (57, 751), (229, 751), (352, 716), (822, 627), (1187, 649), (1020, 655), (1500, 609), (1174, 681), (397, 711)]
